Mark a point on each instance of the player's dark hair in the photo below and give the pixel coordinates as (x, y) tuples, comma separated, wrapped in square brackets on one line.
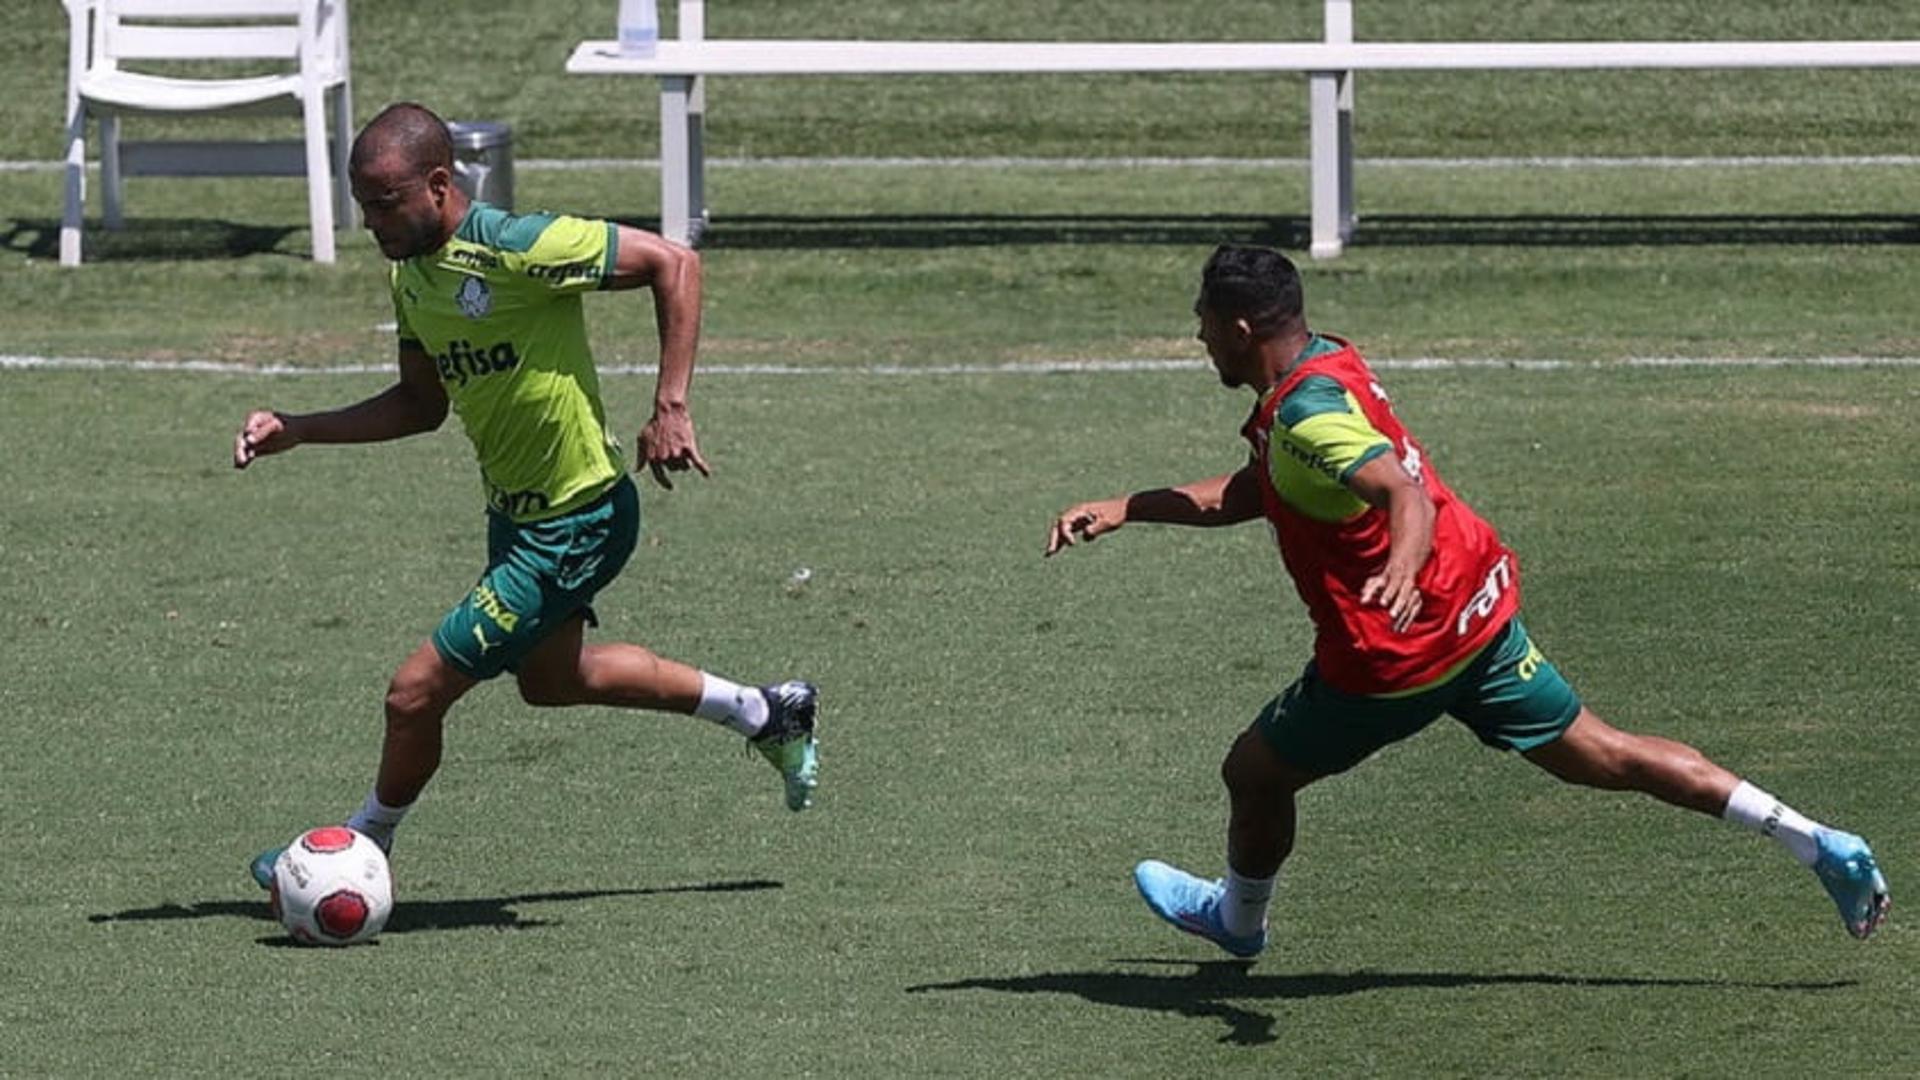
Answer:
[(407, 128), (1257, 284)]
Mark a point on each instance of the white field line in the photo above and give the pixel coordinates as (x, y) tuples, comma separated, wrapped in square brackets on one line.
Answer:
[(15, 362), (795, 163), (1774, 161)]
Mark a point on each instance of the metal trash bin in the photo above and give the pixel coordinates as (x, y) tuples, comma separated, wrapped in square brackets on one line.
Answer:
[(483, 161)]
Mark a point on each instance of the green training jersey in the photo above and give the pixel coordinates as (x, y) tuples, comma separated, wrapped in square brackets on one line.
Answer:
[(498, 310), (1320, 436)]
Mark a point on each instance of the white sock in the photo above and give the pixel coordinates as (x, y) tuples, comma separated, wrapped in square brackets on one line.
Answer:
[(377, 819), (1243, 910), (1761, 812), (742, 708)]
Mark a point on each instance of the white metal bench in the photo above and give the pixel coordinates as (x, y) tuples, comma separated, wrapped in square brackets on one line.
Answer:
[(1329, 65)]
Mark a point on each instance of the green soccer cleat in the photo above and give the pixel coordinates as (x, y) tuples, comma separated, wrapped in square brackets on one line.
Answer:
[(1853, 879), (262, 867), (787, 742)]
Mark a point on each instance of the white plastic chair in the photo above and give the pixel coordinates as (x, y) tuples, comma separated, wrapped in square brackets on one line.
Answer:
[(311, 35)]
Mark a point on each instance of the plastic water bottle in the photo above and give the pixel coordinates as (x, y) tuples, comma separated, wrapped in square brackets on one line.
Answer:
[(639, 27)]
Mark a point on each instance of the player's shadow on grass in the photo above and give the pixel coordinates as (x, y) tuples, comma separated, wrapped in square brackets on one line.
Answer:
[(1214, 988), (883, 231), (410, 916), (152, 239)]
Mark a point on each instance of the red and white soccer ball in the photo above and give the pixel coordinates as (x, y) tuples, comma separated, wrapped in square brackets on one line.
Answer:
[(332, 886)]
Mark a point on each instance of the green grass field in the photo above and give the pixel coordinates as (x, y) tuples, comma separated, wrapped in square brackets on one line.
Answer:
[(1720, 554), (198, 654)]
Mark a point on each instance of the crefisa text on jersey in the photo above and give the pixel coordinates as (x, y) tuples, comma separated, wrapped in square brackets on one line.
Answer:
[(583, 270), (464, 360)]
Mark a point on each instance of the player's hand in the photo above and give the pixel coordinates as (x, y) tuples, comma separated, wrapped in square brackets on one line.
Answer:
[(265, 432), (1394, 589), (667, 445), (1086, 522)]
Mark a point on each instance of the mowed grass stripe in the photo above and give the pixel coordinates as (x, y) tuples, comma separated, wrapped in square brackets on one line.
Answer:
[(1037, 367)]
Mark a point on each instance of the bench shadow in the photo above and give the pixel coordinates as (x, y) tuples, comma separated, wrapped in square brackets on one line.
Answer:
[(1656, 230), (189, 239), (1218, 990), (147, 239), (753, 232), (413, 916), (771, 232)]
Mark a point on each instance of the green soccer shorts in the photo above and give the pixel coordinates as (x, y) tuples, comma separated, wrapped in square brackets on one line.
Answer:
[(539, 575), (1510, 696)]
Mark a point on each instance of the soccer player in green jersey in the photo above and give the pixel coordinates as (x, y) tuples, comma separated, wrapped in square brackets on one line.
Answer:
[(1415, 605), (488, 307)]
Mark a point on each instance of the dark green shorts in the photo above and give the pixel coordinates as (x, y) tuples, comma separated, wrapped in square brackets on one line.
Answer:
[(1510, 696), (538, 576)]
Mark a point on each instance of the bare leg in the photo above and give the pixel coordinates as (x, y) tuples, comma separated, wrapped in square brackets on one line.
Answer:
[(562, 670), (1260, 789), (422, 691), (779, 720), (1233, 913), (1595, 754)]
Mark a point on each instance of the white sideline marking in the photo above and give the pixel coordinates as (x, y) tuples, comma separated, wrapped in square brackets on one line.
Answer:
[(775, 163), (11, 362), (1761, 161)]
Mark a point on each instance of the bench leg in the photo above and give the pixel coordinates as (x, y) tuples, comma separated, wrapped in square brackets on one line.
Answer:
[(313, 110), (112, 189), (697, 158), (74, 214), (676, 159), (346, 211), (1346, 156), (1324, 154)]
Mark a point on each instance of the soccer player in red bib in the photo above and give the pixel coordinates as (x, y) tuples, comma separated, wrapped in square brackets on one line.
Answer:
[(1415, 604)]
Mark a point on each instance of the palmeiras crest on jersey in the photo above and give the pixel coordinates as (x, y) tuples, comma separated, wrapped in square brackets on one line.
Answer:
[(474, 298)]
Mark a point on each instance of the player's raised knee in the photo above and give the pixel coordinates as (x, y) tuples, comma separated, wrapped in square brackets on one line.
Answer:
[(408, 704), (544, 691), (1253, 767)]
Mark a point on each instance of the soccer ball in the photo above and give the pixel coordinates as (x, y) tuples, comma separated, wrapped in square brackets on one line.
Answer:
[(332, 886)]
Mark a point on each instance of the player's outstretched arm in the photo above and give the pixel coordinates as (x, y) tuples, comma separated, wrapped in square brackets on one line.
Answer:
[(415, 404), (672, 271), (1385, 483), (1228, 499), (1087, 521)]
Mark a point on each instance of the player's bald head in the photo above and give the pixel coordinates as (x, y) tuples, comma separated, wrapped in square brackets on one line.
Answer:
[(407, 136), (401, 173)]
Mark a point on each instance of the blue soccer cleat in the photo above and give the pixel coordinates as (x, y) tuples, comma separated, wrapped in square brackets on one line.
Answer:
[(788, 743), (1853, 879), (1193, 905), (262, 866)]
